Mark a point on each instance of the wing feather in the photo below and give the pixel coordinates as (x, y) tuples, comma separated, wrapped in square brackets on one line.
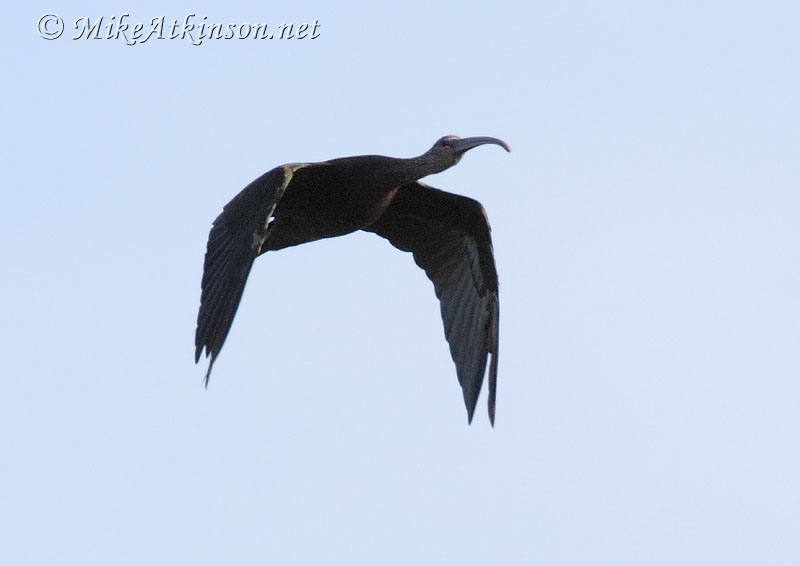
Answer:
[(449, 237), (233, 243)]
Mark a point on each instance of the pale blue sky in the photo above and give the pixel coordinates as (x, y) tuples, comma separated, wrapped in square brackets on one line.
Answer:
[(646, 234)]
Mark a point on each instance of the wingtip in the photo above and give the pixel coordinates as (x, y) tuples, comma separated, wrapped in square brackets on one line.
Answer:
[(208, 373), (492, 401), (470, 412), (492, 390)]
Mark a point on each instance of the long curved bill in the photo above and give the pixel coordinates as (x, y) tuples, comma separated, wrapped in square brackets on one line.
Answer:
[(465, 144)]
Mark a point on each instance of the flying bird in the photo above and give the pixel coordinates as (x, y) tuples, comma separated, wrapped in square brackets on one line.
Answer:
[(448, 235)]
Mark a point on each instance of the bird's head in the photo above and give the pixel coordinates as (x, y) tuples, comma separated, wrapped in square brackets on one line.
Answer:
[(448, 150)]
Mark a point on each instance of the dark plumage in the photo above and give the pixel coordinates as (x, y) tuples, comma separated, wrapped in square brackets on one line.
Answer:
[(447, 234)]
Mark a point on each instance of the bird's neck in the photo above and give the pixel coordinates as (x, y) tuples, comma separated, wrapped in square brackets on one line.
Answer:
[(415, 168)]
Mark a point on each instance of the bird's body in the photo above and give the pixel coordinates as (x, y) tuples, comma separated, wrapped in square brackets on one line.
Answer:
[(353, 198), (298, 203)]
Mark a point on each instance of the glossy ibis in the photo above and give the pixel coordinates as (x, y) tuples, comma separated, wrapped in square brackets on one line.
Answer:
[(447, 234)]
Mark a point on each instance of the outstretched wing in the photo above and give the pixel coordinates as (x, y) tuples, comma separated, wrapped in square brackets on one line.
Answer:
[(450, 238), (233, 244)]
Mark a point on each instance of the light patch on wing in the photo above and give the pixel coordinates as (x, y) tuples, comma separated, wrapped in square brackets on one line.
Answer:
[(260, 235), (288, 172), (290, 169)]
